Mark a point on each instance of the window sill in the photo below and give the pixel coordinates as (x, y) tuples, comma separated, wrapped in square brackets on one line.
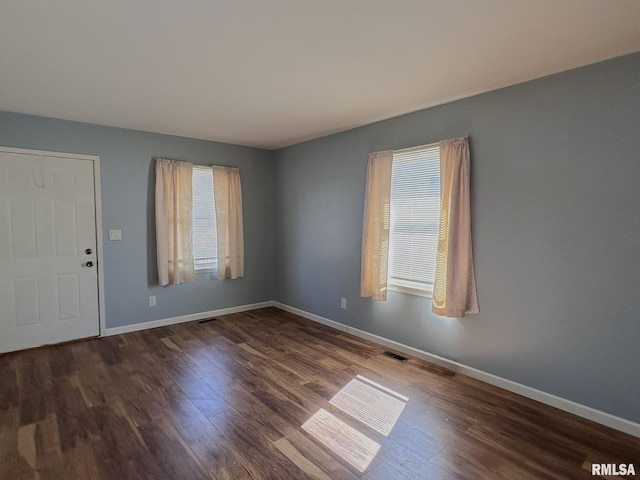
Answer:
[(410, 290), (205, 270)]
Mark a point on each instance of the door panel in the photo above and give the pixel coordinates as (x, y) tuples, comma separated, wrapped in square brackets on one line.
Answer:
[(27, 301), (22, 212), (48, 294)]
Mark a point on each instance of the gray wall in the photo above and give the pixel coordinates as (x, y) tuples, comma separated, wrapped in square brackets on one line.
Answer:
[(126, 159), (556, 220)]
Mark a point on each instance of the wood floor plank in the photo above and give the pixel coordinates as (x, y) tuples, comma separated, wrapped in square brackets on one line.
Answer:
[(9, 396), (228, 399), (170, 451), (34, 375), (27, 444), (271, 424), (320, 456), (259, 456), (80, 463), (300, 460), (419, 442)]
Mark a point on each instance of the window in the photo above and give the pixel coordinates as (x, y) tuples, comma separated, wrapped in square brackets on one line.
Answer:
[(415, 216), (205, 244)]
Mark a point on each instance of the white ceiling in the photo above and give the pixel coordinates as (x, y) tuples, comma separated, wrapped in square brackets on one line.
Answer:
[(271, 73)]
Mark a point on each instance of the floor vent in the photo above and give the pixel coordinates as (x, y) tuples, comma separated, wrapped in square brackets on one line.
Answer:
[(206, 320), (395, 356)]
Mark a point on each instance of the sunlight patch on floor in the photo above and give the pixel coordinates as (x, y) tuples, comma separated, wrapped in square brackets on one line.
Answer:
[(373, 405), (376, 406), (345, 441)]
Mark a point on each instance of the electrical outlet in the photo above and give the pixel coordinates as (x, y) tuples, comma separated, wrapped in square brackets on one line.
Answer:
[(343, 303), (152, 300), (115, 234)]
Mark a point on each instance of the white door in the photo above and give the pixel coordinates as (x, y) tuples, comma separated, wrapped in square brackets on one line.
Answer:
[(48, 271)]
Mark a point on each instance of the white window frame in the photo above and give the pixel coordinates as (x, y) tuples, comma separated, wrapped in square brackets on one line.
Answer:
[(406, 285), (208, 267)]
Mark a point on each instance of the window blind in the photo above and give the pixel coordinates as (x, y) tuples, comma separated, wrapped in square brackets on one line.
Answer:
[(415, 214), (205, 249)]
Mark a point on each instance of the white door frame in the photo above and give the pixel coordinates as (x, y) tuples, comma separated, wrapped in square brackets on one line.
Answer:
[(98, 205)]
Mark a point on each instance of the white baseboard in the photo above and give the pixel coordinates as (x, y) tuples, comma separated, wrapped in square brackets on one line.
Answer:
[(185, 318), (312, 316), (578, 409)]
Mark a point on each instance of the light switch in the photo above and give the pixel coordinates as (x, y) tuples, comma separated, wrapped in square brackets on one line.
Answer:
[(115, 234)]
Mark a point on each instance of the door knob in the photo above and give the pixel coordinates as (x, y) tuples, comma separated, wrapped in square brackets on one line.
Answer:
[(89, 264), (88, 251)]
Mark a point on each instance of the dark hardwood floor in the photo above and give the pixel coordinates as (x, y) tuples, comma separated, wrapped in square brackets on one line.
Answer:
[(267, 394)]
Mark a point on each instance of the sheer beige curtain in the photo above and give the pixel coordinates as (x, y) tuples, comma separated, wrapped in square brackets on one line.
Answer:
[(228, 200), (375, 229), (174, 218), (454, 289)]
